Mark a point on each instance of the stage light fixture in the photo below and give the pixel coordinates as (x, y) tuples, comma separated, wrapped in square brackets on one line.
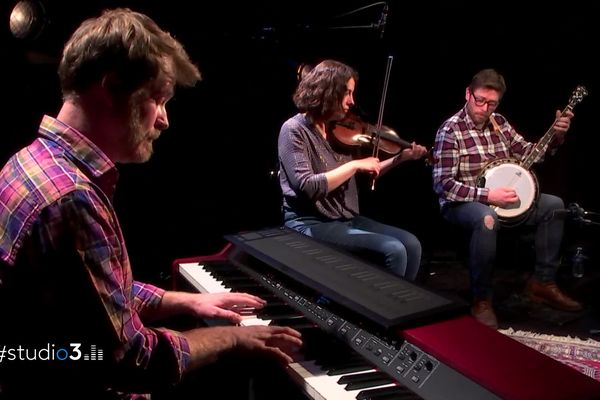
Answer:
[(27, 19)]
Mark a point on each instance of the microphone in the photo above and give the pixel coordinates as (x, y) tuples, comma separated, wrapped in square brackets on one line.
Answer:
[(575, 212), (580, 215), (382, 20), (563, 213)]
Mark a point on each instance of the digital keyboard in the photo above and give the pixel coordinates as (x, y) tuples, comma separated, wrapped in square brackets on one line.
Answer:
[(346, 356), (383, 298), (390, 368)]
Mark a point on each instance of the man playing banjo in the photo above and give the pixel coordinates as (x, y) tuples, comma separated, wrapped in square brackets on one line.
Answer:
[(465, 145)]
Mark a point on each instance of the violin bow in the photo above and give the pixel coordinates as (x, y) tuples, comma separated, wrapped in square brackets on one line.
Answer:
[(386, 81)]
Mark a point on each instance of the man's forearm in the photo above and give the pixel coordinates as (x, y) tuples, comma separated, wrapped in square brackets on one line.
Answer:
[(206, 344)]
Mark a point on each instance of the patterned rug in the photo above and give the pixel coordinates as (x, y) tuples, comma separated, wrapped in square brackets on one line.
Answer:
[(583, 355)]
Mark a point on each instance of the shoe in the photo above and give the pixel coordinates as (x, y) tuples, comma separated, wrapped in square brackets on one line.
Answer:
[(483, 312), (548, 293)]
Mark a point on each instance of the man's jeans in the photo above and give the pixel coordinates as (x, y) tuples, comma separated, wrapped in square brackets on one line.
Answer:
[(482, 244)]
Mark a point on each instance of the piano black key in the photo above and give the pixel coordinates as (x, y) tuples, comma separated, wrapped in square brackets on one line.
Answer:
[(341, 360), (270, 298), (320, 351), (274, 315), (299, 323), (224, 272), (369, 383), (221, 268), (242, 283), (336, 352), (276, 312), (326, 355), (230, 278), (276, 309), (365, 380), (354, 366), (387, 393), (276, 302), (255, 290)]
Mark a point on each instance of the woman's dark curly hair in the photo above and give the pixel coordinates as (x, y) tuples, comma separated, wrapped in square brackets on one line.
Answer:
[(321, 91)]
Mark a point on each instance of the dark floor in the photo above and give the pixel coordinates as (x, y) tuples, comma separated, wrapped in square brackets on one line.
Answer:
[(445, 271)]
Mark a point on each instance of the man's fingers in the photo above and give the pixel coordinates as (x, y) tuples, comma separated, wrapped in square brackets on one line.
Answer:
[(280, 355), (226, 314), (277, 330), (241, 300)]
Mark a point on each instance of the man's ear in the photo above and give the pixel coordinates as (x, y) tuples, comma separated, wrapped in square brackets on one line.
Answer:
[(113, 89), (467, 93), (111, 84)]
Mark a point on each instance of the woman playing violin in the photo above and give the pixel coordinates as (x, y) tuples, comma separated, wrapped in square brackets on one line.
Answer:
[(320, 197)]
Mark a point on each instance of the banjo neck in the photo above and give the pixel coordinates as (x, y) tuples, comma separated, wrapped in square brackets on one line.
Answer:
[(542, 145)]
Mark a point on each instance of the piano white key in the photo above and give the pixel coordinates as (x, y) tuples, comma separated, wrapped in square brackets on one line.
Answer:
[(253, 321), (320, 386), (201, 279), (206, 283)]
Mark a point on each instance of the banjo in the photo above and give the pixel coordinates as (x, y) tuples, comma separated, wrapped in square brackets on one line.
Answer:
[(509, 172)]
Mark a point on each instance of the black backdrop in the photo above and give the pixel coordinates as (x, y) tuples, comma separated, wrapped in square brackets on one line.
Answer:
[(211, 171)]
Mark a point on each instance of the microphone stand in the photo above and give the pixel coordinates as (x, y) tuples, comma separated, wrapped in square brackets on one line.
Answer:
[(269, 31), (579, 216), (379, 3), (377, 25), (372, 26)]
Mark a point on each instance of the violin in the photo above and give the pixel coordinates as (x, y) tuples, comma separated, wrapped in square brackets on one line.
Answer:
[(354, 132)]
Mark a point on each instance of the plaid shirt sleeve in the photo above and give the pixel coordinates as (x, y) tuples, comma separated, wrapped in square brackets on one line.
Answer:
[(446, 169), (519, 147), (142, 354), (146, 296)]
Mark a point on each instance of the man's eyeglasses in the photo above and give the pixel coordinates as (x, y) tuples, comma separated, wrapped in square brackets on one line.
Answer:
[(481, 101)]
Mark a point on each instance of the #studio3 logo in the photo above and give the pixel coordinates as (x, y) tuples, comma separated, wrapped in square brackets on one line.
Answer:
[(50, 353)]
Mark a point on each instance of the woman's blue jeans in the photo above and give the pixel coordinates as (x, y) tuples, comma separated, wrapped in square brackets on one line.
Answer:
[(482, 243), (398, 250)]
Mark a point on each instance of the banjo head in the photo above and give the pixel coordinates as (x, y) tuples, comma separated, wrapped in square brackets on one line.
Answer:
[(506, 173)]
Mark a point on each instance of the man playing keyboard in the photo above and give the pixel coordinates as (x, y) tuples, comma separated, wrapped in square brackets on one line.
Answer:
[(74, 322)]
